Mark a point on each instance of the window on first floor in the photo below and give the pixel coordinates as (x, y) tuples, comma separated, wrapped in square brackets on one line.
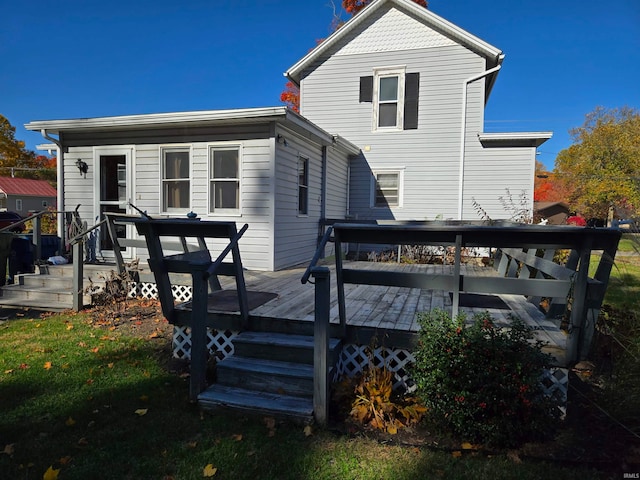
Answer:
[(176, 179), (18, 204), (387, 188), (303, 186), (224, 179)]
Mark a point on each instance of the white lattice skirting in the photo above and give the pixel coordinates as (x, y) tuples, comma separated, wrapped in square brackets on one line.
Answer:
[(219, 344), (181, 293)]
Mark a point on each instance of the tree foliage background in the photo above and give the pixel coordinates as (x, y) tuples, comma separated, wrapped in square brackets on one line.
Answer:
[(602, 168), (14, 157)]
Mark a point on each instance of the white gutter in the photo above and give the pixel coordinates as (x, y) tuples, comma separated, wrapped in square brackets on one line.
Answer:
[(463, 128), (59, 182)]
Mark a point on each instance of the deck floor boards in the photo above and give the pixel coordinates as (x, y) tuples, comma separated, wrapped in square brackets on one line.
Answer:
[(385, 307)]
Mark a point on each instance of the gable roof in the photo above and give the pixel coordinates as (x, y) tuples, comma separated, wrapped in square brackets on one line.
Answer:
[(26, 187), (493, 55)]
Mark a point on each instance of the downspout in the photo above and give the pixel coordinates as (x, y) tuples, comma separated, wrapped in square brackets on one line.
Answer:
[(463, 128), (59, 181)]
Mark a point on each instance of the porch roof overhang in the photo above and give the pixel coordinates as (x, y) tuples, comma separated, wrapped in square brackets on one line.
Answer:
[(514, 139), (494, 56), (200, 118)]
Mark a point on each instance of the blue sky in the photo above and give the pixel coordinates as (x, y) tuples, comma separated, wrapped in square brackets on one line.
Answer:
[(86, 58)]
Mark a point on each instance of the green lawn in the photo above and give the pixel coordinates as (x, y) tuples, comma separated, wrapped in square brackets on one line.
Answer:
[(95, 404)]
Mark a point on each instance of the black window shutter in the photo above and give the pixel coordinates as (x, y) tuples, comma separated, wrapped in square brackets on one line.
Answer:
[(366, 89), (411, 90)]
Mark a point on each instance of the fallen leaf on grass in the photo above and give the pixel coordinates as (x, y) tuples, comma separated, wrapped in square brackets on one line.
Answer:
[(47, 365), (469, 446), (7, 372), (9, 449), (23, 366), (70, 422), (237, 437), (51, 474), (83, 442), (141, 411), (70, 327), (308, 431), (144, 398), (65, 460), (456, 454), (209, 471)]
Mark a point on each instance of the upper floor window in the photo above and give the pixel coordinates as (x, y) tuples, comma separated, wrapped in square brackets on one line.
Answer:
[(394, 95), (176, 181), (303, 186), (224, 179)]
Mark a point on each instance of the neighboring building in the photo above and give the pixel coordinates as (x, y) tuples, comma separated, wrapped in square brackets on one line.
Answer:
[(404, 89), (555, 213), (24, 195)]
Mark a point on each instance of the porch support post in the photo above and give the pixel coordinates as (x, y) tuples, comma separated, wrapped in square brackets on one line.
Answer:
[(321, 345), (455, 307), (198, 379), (37, 238), (575, 347), (78, 274)]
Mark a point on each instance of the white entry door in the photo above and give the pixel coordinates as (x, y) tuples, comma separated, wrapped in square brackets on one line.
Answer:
[(112, 193)]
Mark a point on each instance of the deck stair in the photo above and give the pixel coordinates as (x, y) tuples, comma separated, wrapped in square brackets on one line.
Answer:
[(51, 289), (269, 373)]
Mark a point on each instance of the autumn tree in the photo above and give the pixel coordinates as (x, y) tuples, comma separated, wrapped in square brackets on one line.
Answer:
[(602, 167), (548, 186), (17, 160), (290, 96)]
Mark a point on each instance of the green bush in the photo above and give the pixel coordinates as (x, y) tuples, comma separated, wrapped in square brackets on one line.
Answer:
[(482, 382)]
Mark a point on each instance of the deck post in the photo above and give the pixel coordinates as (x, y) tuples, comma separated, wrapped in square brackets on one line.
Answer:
[(578, 323), (455, 302), (321, 345), (78, 274), (198, 379), (37, 238)]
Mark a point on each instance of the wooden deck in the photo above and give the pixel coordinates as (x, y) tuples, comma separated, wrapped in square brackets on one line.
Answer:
[(391, 309)]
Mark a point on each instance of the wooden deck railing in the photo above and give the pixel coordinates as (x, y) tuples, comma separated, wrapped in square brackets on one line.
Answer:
[(522, 242)]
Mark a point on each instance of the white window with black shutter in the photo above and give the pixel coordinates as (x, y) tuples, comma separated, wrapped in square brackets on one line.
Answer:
[(394, 95)]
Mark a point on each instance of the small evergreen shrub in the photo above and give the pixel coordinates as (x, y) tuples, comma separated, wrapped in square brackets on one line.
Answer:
[(482, 382)]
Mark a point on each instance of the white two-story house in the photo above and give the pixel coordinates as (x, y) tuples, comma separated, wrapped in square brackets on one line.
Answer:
[(391, 127)]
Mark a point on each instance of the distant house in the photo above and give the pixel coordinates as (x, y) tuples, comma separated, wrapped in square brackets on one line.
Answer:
[(555, 213), (24, 195), (391, 128)]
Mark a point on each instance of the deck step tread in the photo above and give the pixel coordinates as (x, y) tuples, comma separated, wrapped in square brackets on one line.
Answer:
[(259, 402), (281, 340), (267, 367)]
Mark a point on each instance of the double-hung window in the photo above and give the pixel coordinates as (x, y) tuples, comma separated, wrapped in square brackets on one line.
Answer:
[(176, 181), (388, 99), (224, 179), (394, 94), (303, 186), (387, 189)]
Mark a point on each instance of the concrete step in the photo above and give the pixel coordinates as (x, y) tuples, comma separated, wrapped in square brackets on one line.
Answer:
[(284, 406)]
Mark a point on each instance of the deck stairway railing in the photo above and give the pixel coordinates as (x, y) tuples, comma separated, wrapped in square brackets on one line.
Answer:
[(530, 249)]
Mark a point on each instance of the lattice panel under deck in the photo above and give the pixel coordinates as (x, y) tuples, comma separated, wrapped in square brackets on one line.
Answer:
[(181, 293), (354, 358), (218, 343)]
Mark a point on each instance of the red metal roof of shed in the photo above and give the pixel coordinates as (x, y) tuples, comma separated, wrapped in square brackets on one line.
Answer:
[(27, 187)]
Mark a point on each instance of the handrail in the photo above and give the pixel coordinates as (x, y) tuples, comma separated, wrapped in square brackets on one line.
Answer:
[(232, 243), (317, 255), (82, 234), (29, 218)]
